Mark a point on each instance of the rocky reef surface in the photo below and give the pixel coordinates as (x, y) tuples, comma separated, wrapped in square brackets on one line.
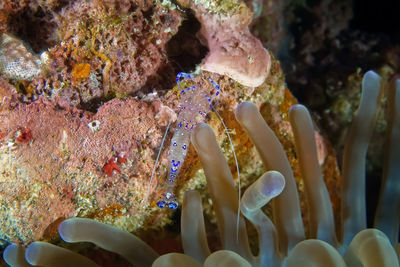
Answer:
[(92, 87), (79, 137)]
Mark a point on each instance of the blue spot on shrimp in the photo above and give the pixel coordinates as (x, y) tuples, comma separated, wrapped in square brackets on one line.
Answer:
[(196, 95)]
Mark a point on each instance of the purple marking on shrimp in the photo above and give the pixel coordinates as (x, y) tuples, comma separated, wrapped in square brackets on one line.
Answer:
[(209, 100), (175, 163), (174, 169)]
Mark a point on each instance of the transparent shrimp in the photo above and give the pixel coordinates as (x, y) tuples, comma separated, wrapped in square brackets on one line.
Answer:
[(195, 105), (196, 102)]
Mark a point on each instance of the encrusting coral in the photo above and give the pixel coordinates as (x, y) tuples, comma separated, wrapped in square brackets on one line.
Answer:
[(279, 245)]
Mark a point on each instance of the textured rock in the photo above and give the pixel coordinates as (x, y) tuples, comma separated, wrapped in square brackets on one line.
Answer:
[(121, 43), (59, 168)]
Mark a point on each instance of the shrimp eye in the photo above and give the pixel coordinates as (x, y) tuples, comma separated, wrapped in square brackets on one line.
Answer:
[(172, 205), (161, 203)]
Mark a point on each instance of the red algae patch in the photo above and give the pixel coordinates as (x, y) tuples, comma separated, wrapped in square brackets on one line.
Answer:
[(110, 167), (23, 135)]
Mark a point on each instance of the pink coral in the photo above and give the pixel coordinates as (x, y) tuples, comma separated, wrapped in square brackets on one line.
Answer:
[(234, 51)]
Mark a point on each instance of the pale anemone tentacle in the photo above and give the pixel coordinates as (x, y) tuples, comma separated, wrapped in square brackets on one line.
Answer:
[(370, 248), (287, 214), (321, 222), (194, 239), (254, 198), (220, 258), (49, 255), (239, 186), (387, 217), (226, 258), (109, 238), (313, 252), (222, 190), (175, 260), (14, 255), (353, 189)]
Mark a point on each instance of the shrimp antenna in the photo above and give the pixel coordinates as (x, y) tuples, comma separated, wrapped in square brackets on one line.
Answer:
[(237, 169), (155, 165)]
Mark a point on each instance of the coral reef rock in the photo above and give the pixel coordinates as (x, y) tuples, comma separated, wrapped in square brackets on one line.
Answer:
[(81, 138)]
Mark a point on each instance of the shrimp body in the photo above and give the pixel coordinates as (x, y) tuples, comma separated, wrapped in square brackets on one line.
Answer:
[(195, 105)]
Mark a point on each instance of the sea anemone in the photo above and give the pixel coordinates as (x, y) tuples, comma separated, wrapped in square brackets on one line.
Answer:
[(282, 242)]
